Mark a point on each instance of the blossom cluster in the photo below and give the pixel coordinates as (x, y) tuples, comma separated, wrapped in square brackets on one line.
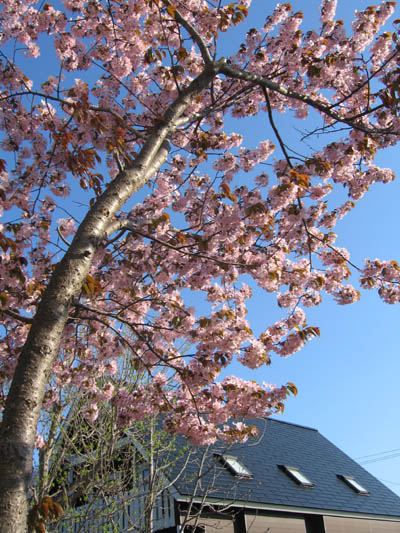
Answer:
[(211, 217)]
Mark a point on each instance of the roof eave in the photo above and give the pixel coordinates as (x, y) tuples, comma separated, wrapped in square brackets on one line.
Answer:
[(283, 508)]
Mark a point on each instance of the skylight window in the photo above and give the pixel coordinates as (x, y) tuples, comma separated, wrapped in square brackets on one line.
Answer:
[(297, 476), (354, 484), (235, 465)]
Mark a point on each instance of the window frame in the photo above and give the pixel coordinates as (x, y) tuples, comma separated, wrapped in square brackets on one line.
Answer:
[(297, 476), (355, 485), (230, 461)]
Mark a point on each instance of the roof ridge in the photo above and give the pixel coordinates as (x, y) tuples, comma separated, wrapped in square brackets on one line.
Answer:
[(270, 419)]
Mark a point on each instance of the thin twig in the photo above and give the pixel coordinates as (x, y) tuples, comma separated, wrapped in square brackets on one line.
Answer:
[(62, 237), (127, 225)]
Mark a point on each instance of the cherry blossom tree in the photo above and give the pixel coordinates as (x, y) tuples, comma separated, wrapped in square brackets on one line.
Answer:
[(135, 93)]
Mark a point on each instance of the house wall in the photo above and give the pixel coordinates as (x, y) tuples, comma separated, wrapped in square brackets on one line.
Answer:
[(253, 524), (272, 524), (335, 524), (217, 525), (233, 520)]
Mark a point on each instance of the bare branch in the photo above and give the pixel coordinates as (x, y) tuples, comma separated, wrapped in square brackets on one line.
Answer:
[(273, 125)]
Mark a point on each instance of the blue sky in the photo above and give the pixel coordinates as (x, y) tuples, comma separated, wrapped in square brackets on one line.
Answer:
[(348, 379)]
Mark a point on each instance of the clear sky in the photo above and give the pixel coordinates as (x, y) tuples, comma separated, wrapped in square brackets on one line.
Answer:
[(349, 378)]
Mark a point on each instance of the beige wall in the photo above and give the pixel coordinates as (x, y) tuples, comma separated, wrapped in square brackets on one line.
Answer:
[(273, 524), (356, 525), (255, 524), (217, 525)]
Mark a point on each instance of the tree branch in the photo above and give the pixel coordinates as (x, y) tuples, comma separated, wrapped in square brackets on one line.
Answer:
[(17, 316), (289, 93), (273, 125), (62, 237), (128, 225), (205, 54)]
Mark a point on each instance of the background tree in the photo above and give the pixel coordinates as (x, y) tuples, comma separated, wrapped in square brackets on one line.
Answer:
[(93, 472), (92, 475), (99, 474), (140, 86)]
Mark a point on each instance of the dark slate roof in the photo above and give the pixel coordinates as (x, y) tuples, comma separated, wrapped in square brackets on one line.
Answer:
[(282, 443)]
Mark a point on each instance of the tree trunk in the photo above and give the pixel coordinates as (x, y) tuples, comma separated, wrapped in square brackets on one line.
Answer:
[(25, 398)]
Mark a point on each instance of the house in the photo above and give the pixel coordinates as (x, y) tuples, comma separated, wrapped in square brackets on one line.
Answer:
[(293, 480), (289, 479)]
